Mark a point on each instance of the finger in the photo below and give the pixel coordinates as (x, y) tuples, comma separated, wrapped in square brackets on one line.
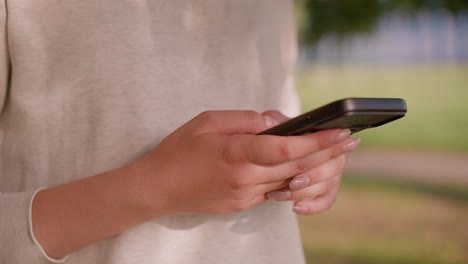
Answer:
[(268, 149), (276, 115), (272, 186), (316, 190), (318, 174), (300, 167), (285, 194), (257, 200), (231, 122), (317, 205)]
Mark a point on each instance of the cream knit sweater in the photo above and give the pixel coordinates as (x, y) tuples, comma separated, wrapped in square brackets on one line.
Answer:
[(87, 86)]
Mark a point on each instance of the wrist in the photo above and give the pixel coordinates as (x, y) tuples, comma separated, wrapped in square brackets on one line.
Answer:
[(71, 216), (146, 190)]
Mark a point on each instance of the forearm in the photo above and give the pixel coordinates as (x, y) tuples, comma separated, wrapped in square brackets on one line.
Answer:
[(74, 215)]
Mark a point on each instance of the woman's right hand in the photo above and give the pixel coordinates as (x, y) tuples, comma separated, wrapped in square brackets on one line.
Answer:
[(216, 164)]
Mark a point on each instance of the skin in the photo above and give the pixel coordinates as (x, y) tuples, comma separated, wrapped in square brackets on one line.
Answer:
[(315, 190), (213, 164)]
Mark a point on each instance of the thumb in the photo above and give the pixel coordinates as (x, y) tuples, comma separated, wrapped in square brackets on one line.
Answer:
[(233, 122)]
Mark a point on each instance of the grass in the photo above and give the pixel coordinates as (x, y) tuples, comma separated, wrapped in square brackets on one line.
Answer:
[(436, 96), (375, 221)]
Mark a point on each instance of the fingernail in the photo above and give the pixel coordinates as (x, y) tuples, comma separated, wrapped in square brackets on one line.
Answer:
[(352, 145), (279, 195), (270, 121), (299, 183), (300, 209), (341, 136)]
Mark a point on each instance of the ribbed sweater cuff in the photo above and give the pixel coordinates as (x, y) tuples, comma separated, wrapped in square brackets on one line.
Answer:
[(17, 241), (31, 233)]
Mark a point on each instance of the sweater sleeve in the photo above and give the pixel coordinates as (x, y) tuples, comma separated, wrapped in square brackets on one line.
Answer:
[(17, 245), (4, 56), (17, 242)]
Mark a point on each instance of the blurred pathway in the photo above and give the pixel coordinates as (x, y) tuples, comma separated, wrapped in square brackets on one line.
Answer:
[(436, 167)]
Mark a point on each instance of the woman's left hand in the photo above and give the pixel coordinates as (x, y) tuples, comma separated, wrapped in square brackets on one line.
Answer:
[(314, 191)]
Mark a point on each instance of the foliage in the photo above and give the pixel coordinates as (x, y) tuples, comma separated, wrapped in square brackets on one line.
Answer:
[(344, 17)]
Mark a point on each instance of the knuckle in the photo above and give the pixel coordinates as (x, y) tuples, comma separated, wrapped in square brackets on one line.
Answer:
[(240, 182), (295, 196), (206, 116), (322, 173), (298, 167), (335, 151), (331, 174), (255, 202), (322, 140), (336, 182), (330, 169), (285, 151), (239, 206), (330, 184), (230, 153), (237, 210), (342, 160), (338, 168), (328, 205), (323, 143)]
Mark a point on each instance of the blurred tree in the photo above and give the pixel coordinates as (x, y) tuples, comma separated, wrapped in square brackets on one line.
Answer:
[(344, 17)]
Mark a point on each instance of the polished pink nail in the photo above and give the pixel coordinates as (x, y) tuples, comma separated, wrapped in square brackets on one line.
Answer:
[(299, 183), (270, 121), (341, 136), (352, 145), (300, 209)]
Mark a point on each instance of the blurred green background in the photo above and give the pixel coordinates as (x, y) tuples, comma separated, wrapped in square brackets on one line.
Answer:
[(404, 197)]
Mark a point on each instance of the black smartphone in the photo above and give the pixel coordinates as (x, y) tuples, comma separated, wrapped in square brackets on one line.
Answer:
[(354, 113)]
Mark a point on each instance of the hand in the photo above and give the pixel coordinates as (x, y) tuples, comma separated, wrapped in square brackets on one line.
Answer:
[(213, 164), (315, 190), (216, 164)]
